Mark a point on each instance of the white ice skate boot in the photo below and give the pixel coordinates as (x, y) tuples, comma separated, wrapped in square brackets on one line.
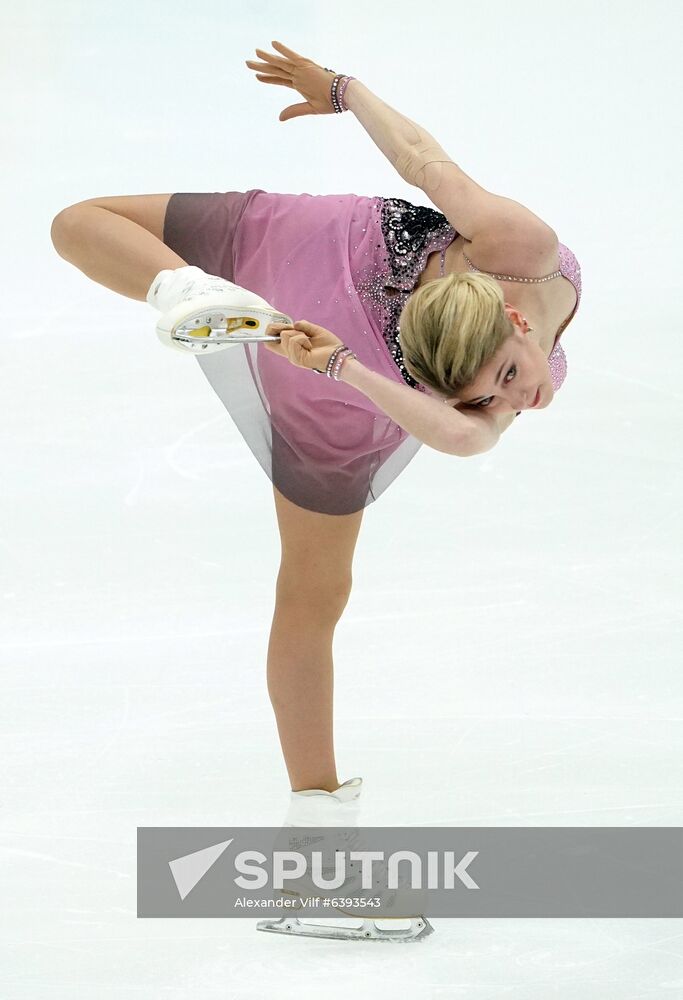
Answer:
[(315, 807), (203, 313)]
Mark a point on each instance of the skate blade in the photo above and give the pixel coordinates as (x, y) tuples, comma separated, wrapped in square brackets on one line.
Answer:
[(207, 330), (419, 928)]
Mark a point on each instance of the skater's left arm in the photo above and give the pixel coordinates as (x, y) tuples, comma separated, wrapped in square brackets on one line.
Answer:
[(487, 429), (442, 427), (455, 428)]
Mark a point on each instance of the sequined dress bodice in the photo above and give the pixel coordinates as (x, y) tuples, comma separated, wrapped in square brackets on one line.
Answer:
[(411, 233), (346, 262)]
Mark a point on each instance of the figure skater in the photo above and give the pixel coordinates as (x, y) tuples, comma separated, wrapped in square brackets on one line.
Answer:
[(398, 309)]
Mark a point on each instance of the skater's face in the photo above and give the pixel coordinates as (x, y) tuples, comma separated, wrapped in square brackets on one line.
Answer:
[(512, 378)]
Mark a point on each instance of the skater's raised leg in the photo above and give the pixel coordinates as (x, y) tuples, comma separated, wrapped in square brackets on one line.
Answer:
[(117, 242)]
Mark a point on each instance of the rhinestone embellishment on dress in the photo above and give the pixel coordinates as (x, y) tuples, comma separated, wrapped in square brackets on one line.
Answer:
[(510, 277), (411, 233)]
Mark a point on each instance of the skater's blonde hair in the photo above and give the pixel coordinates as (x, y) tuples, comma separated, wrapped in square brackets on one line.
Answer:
[(450, 327)]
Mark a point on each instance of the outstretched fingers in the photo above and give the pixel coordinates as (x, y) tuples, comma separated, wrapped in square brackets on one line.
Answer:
[(288, 52)]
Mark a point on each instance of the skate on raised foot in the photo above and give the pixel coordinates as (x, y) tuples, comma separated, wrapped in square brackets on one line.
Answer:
[(316, 807), (203, 313)]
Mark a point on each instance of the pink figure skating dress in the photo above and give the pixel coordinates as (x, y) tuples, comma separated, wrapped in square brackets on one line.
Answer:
[(345, 262)]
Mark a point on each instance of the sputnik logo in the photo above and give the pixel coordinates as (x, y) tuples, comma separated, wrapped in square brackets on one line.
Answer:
[(189, 869)]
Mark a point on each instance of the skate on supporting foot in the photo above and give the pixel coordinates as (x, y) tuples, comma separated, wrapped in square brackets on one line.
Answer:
[(369, 930), (319, 808), (203, 313)]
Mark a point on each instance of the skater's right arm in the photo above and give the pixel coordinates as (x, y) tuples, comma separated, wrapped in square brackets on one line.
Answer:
[(395, 135), (470, 209)]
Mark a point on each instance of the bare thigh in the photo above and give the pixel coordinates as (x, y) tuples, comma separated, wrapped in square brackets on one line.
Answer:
[(317, 549), (147, 210)]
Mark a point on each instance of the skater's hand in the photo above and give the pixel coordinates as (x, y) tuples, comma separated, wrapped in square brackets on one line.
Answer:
[(305, 344), (298, 73)]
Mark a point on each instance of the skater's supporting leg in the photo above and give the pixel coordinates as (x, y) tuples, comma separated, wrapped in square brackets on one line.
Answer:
[(300, 685), (111, 249), (313, 588)]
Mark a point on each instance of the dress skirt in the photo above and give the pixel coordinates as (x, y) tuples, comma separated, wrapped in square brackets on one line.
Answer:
[(323, 444)]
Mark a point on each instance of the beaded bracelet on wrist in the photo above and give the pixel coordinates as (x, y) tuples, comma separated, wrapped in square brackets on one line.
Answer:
[(341, 358), (335, 362), (339, 85)]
